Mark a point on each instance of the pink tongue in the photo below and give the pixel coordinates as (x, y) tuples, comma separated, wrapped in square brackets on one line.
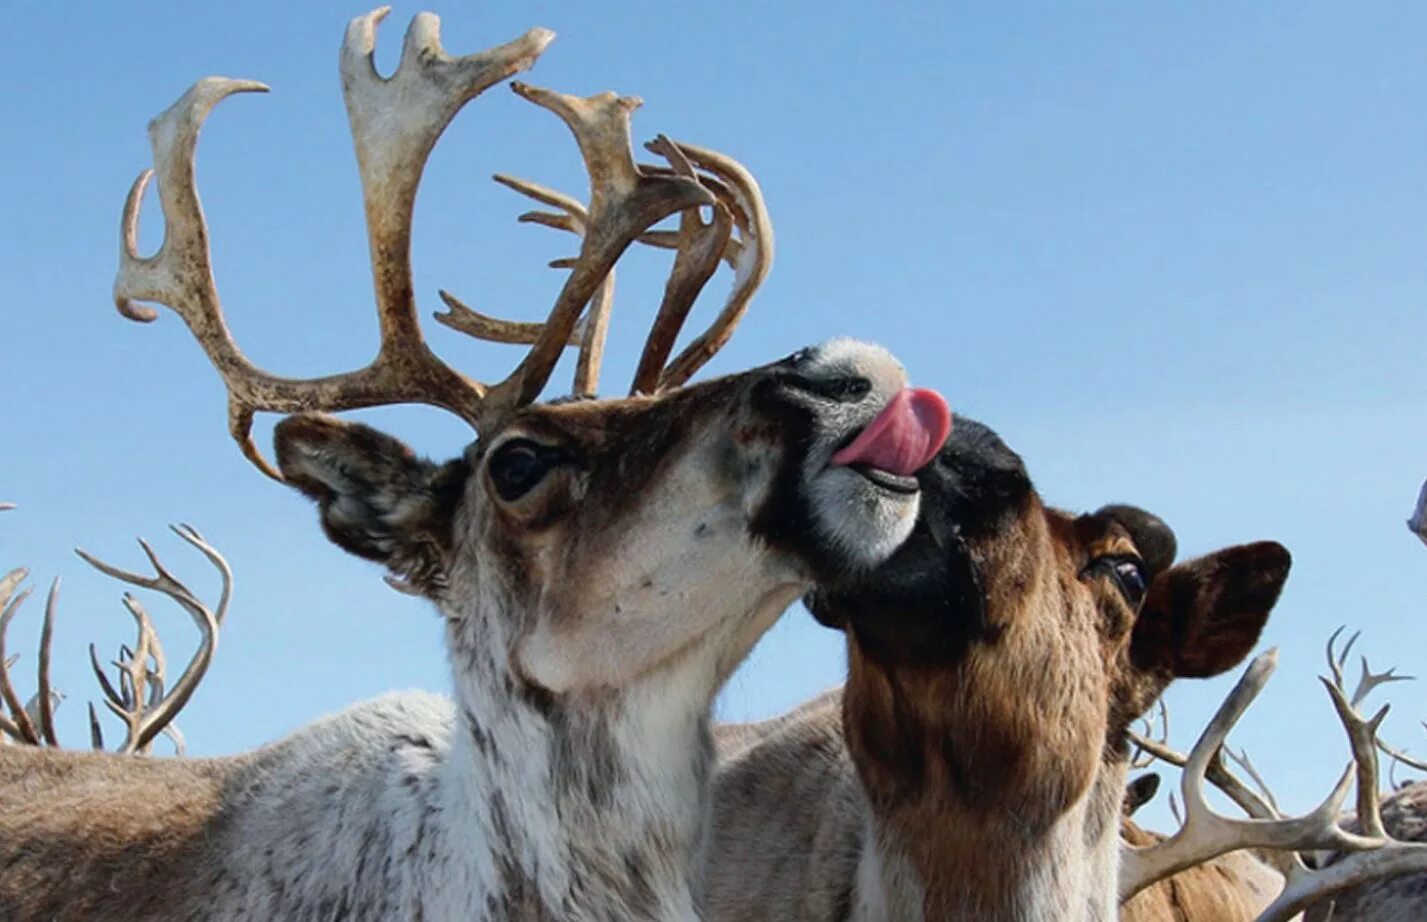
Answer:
[(904, 437)]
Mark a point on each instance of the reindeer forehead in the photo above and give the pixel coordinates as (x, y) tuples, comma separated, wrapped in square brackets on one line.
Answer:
[(623, 424)]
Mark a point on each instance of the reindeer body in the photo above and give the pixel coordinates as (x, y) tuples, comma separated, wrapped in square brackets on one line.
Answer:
[(404, 807), (411, 806)]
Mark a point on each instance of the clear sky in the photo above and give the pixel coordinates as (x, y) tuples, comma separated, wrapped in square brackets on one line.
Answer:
[(1176, 256)]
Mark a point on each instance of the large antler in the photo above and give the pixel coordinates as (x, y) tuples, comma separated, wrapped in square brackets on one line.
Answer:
[(699, 245), (1206, 834), (140, 699), (395, 124)]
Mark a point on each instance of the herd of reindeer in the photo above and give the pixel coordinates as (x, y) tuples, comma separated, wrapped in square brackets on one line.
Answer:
[(602, 565)]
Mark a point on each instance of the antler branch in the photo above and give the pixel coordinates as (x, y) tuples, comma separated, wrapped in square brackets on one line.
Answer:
[(395, 123), (737, 204), (141, 700), (18, 726), (1205, 834)]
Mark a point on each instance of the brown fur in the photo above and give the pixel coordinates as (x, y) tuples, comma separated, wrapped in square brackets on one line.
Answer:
[(144, 826)]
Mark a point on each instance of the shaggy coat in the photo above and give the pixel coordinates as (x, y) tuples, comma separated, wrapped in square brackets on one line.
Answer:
[(600, 567)]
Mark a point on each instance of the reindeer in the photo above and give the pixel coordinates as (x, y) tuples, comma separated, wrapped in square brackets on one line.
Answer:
[(600, 565), (974, 764)]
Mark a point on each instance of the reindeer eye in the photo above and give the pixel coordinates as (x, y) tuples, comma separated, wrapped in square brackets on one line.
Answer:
[(1131, 579), (520, 464)]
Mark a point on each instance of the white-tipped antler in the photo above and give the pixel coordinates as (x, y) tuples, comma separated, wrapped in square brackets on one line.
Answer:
[(1206, 834)]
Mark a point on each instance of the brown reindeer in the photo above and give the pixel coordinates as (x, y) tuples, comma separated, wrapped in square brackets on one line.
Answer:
[(974, 764)]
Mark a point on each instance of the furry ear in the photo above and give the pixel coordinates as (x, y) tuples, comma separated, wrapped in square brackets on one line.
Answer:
[(375, 497), (1203, 617), (1139, 792)]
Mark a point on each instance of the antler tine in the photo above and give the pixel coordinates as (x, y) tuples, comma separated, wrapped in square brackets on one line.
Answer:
[(1368, 682), (46, 693), (147, 715), (96, 732), (589, 333), (700, 245), (1261, 788), (754, 260), (18, 726), (1144, 756), (395, 123), (464, 319)]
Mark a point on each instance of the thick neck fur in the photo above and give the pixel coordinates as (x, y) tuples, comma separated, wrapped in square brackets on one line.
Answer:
[(988, 796), (592, 805)]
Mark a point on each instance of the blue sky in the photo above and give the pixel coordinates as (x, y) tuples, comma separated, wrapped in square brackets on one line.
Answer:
[(1174, 255)]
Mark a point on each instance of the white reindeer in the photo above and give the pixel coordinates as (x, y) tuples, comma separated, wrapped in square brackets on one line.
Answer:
[(601, 565)]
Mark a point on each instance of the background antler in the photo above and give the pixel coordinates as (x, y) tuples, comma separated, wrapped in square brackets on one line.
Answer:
[(139, 697), (1206, 834)]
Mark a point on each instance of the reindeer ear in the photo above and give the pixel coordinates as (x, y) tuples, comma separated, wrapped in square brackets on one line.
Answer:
[(375, 497), (1204, 616), (1139, 792)]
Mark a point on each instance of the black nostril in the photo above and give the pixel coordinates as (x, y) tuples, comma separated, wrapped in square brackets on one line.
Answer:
[(842, 389)]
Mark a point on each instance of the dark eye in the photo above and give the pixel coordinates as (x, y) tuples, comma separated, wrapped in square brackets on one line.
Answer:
[(1131, 577), (520, 464)]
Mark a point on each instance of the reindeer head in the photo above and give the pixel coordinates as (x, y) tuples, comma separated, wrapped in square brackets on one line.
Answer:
[(1000, 655), (607, 536), (618, 532)]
